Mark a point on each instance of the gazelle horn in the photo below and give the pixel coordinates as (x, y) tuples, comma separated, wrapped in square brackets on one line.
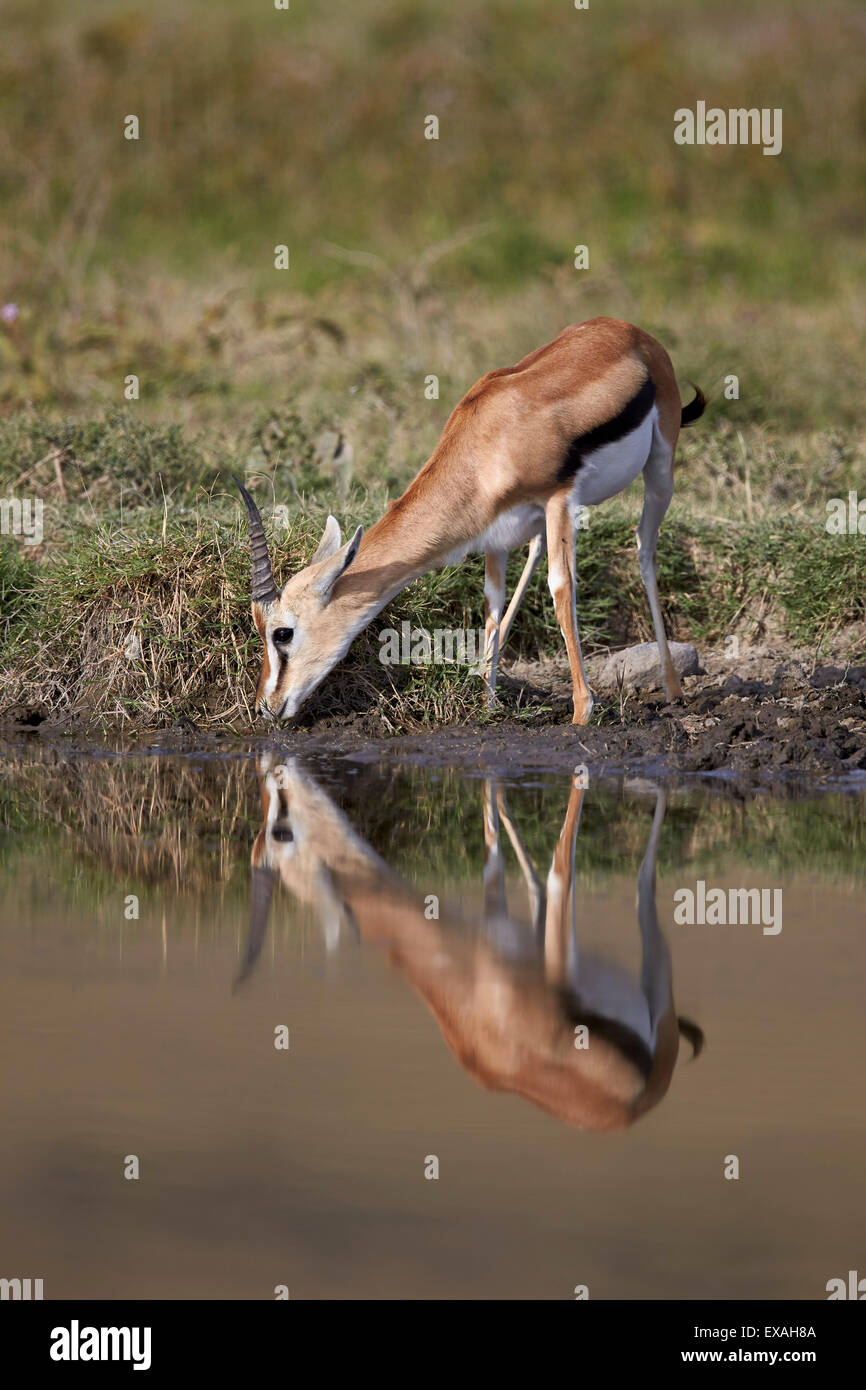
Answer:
[(264, 589)]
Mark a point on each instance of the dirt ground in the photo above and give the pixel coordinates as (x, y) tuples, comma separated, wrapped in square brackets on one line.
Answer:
[(770, 717)]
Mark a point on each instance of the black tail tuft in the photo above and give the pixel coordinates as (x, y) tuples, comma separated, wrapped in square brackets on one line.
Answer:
[(693, 1034), (695, 408)]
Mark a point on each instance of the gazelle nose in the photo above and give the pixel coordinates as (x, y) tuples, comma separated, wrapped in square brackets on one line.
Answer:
[(275, 716)]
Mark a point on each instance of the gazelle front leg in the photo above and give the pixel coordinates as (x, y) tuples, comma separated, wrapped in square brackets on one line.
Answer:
[(561, 578), (534, 887), (507, 932), (658, 487), (494, 602), (536, 550), (495, 907), (559, 926)]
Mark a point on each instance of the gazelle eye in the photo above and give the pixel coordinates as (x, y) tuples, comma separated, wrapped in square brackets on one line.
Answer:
[(283, 635)]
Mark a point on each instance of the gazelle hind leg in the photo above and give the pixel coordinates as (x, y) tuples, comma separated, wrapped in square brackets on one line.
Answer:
[(560, 938), (561, 579), (655, 953), (494, 602), (658, 486)]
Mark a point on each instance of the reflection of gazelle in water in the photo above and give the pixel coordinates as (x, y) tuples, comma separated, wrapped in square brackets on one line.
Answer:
[(507, 997)]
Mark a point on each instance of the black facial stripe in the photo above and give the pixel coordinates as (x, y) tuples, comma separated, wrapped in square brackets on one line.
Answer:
[(628, 419)]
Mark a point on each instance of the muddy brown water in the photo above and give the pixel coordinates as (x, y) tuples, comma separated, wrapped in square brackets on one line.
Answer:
[(438, 1125)]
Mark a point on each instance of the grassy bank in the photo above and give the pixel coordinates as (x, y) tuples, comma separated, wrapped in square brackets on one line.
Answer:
[(135, 606)]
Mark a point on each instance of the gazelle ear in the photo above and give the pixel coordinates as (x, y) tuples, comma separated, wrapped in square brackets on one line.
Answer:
[(334, 914), (337, 566), (331, 541)]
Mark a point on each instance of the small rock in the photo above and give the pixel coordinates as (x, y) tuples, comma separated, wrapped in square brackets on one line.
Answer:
[(697, 723), (638, 668)]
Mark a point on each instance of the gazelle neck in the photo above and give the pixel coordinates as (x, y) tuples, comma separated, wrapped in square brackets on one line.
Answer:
[(407, 541)]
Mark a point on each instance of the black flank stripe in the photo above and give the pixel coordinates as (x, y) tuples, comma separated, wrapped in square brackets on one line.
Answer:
[(623, 1038), (622, 424)]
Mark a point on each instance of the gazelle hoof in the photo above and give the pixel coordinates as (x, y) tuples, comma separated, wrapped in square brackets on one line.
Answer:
[(582, 710)]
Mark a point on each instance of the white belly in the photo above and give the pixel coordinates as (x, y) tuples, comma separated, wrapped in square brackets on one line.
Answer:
[(510, 530), (610, 469), (606, 989)]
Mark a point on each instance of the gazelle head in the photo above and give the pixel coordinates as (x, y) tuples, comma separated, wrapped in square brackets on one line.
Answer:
[(305, 843), (303, 636)]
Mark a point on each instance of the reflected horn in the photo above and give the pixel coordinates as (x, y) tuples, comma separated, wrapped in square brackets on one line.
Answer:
[(264, 590), (261, 892)]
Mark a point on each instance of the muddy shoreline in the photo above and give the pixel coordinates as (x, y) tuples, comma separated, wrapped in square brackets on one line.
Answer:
[(772, 719), (780, 726)]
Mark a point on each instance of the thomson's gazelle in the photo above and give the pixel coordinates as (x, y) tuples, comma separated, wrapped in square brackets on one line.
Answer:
[(570, 425), (508, 995)]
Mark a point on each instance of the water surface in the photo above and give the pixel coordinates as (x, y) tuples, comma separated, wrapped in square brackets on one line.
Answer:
[(431, 943)]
